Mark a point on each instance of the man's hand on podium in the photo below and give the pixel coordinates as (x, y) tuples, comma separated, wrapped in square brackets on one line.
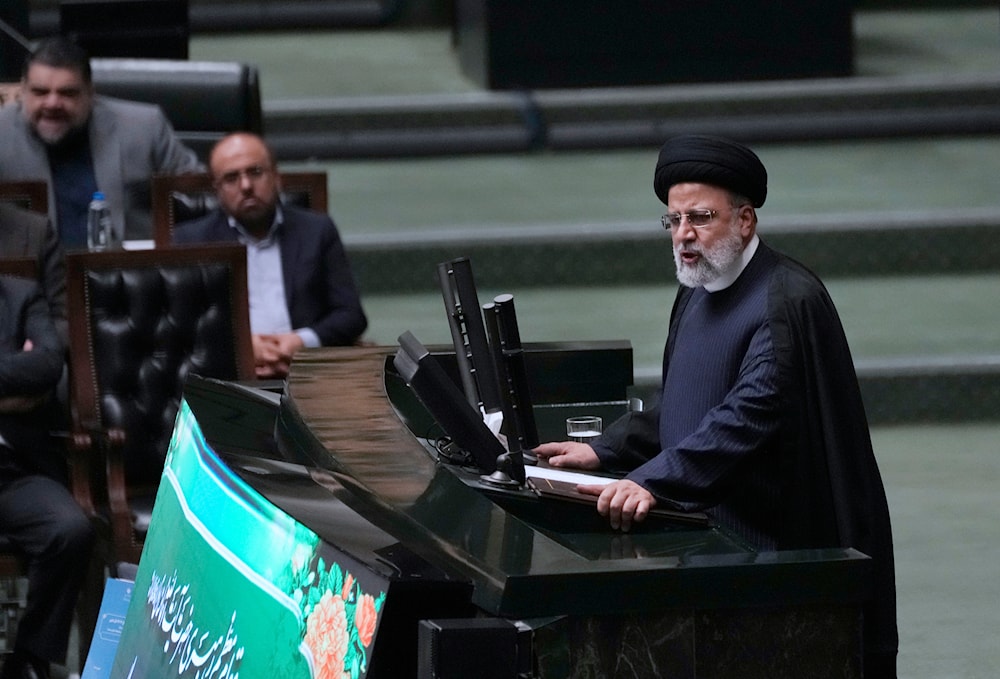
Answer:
[(623, 502), (568, 454)]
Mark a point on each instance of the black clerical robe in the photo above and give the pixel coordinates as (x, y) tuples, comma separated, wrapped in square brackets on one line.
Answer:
[(767, 429)]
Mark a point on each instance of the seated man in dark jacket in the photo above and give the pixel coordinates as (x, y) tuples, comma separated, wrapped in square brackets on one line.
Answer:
[(24, 233), (37, 512), (302, 292)]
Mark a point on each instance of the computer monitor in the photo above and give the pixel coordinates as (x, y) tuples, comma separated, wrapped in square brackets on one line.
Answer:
[(476, 367), (505, 341), (460, 421)]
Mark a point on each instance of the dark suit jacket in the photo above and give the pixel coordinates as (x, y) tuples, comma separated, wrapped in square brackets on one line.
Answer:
[(29, 234), (25, 375), (319, 287)]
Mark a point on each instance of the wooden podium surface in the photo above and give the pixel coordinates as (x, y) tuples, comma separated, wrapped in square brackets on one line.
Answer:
[(524, 556)]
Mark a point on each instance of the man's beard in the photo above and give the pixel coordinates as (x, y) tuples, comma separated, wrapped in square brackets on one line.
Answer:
[(714, 261), (70, 136)]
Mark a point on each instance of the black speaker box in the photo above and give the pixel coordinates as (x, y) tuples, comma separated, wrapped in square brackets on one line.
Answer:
[(483, 648)]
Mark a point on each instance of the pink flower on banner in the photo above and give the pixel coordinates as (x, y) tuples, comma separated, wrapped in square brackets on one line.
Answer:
[(345, 591), (327, 637), (365, 618)]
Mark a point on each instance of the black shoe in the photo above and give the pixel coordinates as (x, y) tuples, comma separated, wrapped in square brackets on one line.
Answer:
[(20, 665)]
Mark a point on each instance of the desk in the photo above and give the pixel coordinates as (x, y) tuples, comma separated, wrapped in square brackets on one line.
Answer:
[(665, 600)]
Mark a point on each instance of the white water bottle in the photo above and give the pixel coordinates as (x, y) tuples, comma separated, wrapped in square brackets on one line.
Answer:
[(100, 231)]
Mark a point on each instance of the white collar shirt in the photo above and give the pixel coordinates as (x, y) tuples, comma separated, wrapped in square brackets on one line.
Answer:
[(265, 280), (729, 276)]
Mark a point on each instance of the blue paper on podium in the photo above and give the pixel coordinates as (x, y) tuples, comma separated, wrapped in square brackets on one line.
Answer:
[(110, 623)]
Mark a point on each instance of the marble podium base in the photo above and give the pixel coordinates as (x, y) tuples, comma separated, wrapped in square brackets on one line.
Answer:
[(803, 641)]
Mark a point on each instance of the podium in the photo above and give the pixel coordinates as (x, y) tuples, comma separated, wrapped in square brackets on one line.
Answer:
[(310, 530), (472, 575)]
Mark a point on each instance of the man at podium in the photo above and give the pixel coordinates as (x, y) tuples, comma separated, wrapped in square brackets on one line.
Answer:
[(760, 421)]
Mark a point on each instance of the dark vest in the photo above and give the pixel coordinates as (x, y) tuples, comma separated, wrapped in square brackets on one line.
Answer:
[(711, 339), (706, 350)]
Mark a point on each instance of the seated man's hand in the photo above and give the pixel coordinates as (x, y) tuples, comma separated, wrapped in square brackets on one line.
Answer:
[(289, 343), (270, 359), (22, 404), (623, 502), (569, 454)]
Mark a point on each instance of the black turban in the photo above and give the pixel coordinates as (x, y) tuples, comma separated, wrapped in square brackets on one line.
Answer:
[(710, 160)]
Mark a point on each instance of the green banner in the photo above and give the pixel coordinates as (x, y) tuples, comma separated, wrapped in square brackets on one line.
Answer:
[(230, 585)]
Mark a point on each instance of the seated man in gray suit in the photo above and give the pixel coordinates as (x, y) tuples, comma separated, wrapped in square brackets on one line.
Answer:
[(302, 292), (62, 132)]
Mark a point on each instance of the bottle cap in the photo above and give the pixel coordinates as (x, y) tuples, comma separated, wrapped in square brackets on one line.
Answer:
[(98, 195)]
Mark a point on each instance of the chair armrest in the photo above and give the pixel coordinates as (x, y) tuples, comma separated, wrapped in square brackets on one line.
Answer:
[(89, 450), (79, 454)]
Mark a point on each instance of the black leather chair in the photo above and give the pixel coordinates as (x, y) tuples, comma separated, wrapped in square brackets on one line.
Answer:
[(203, 100), (179, 198), (142, 321)]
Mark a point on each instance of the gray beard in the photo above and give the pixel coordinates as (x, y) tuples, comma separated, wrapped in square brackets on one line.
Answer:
[(713, 261), (77, 133)]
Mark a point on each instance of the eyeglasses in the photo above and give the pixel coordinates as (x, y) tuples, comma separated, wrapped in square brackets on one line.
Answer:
[(253, 173), (696, 219)]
